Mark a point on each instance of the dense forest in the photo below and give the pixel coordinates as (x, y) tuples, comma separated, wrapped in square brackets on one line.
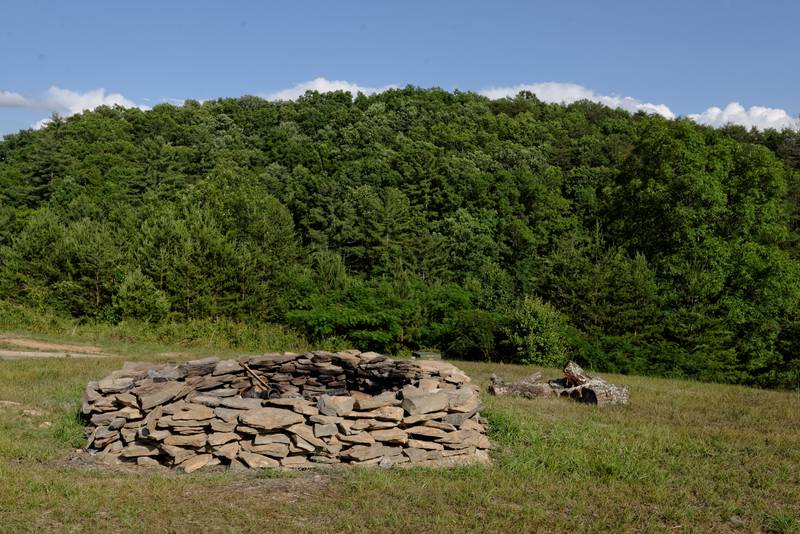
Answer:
[(496, 229)]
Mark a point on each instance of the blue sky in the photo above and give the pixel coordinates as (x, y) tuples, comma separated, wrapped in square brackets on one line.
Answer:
[(682, 58)]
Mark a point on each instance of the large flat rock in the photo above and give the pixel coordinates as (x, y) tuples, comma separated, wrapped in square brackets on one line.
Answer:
[(152, 394), (270, 418)]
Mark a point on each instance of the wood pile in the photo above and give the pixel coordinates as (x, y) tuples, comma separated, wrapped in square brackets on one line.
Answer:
[(286, 410), (575, 384)]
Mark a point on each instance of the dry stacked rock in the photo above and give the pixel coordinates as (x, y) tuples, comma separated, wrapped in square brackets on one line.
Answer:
[(287, 410)]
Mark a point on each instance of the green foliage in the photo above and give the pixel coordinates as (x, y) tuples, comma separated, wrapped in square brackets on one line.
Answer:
[(70, 429), (208, 334), (139, 298), (381, 315), (505, 230), (535, 333), (475, 334)]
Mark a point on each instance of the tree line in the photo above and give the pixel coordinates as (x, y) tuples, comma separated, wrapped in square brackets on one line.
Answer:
[(495, 229)]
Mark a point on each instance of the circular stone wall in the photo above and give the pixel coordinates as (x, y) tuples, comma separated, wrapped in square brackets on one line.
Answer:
[(286, 410)]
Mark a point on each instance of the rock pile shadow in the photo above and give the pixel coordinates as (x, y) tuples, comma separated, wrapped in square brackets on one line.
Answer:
[(286, 410)]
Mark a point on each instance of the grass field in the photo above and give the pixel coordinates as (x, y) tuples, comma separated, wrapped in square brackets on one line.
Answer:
[(684, 456)]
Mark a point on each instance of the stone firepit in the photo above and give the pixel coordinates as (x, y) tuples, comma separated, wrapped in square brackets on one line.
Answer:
[(286, 410)]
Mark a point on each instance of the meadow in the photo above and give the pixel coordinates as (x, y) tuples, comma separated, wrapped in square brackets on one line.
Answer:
[(683, 456)]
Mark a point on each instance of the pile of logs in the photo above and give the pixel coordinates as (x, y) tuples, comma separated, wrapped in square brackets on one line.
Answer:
[(575, 384)]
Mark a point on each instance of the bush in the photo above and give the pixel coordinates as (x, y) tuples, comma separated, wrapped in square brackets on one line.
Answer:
[(139, 298), (390, 315), (373, 317), (474, 335), (535, 333)]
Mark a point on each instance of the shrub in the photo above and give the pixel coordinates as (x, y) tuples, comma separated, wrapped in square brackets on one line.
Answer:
[(139, 298), (474, 335), (535, 333)]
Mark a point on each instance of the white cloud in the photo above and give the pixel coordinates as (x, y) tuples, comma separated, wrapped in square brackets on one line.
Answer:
[(759, 117), (756, 116), (567, 93), (324, 85), (41, 123), (14, 100), (71, 102), (65, 102)]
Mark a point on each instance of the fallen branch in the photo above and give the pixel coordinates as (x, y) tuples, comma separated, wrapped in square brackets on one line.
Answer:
[(255, 376)]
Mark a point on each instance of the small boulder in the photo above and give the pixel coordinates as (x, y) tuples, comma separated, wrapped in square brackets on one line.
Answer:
[(238, 403), (139, 448), (193, 412), (229, 450)]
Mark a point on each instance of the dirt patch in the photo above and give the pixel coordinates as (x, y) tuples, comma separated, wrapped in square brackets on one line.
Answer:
[(297, 485), (82, 459), (35, 344), (24, 354)]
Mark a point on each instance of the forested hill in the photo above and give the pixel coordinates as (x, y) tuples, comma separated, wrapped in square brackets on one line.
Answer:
[(505, 229)]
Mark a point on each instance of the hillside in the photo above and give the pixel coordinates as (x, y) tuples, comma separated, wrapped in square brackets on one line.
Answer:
[(683, 456), (489, 229)]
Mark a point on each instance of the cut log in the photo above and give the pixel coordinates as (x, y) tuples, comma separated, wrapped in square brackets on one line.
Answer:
[(574, 375), (529, 387), (598, 391), (576, 385)]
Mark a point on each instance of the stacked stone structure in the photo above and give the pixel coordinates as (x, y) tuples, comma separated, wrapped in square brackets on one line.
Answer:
[(287, 410)]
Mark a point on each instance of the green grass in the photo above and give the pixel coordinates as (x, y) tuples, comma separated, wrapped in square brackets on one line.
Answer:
[(683, 456)]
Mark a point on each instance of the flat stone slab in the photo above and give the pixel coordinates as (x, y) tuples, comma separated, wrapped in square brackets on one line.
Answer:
[(425, 402), (335, 405), (257, 461), (270, 418), (151, 394), (195, 463)]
